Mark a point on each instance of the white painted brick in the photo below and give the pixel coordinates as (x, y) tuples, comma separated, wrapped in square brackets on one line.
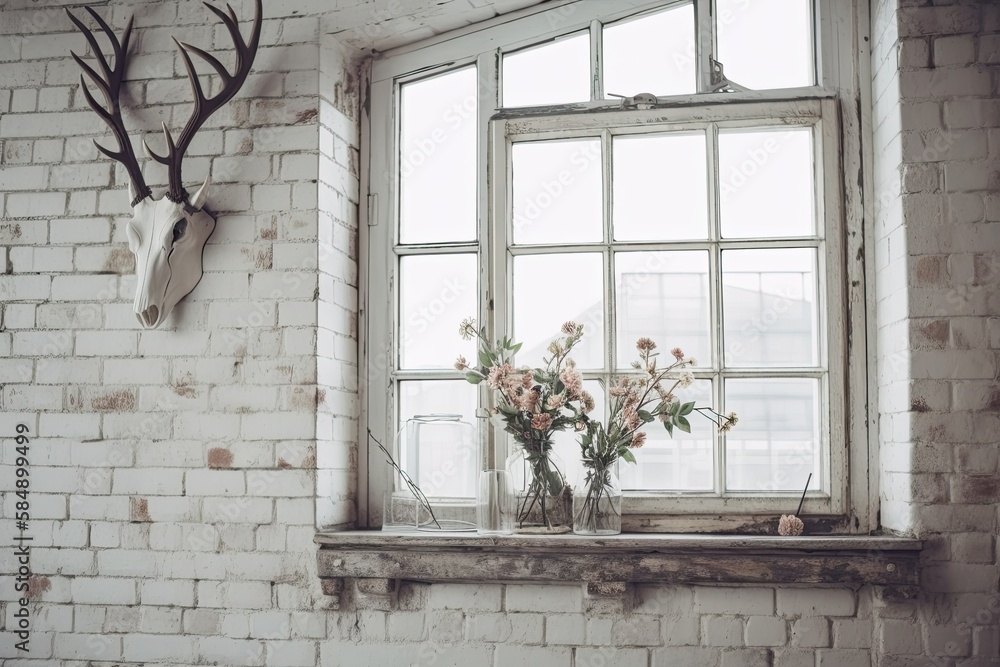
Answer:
[(159, 648), (152, 482), (465, 596), (566, 629), (812, 602), (215, 482), (291, 653), (544, 598), (270, 625), (531, 656), (36, 204), (726, 600), (722, 631), (102, 590), (87, 647)]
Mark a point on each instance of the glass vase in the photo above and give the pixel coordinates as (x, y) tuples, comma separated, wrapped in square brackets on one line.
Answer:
[(597, 502), (543, 499)]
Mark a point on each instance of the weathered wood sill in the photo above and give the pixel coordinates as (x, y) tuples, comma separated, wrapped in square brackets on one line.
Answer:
[(377, 560)]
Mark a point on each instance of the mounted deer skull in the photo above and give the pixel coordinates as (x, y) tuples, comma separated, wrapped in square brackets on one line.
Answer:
[(166, 235)]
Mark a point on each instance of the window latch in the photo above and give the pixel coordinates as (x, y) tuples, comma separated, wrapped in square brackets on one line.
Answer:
[(720, 84), (640, 101)]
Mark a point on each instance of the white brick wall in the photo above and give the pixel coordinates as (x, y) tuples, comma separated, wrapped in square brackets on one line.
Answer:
[(177, 471)]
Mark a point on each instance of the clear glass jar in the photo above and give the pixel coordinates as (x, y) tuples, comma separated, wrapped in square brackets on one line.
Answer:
[(597, 502), (543, 499)]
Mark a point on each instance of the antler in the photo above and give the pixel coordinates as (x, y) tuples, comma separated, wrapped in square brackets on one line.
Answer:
[(206, 106), (110, 84)]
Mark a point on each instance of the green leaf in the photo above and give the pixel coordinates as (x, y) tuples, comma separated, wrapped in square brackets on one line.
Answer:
[(675, 409), (669, 427), (645, 416), (683, 424), (474, 378), (628, 456), (484, 358), (687, 408), (515, 348)]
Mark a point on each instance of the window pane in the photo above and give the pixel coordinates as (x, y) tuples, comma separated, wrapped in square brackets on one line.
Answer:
[(776, 443), (767, 183), (769, 307), (554, 73), (663, 296), (754, 61), (557, 191), (551, 289), (660, 187), (440, 467), (681, 463), (651, 54), (436, 293), (437, 160)]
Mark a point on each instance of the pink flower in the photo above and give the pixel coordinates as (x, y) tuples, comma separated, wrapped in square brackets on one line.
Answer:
[(588, 401), (569, 328), (529, 400), (573, 381), (555, 402), (645, 344), (638, 440), (497, 375), (678, 353), (541, 422)]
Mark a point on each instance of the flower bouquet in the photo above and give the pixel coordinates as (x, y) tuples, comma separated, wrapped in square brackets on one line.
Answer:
[(532, 404), (636, 400)]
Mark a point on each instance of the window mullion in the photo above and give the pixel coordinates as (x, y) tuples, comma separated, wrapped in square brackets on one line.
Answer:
[(596, 60), (488, 75), (715, 296), (704, 16)]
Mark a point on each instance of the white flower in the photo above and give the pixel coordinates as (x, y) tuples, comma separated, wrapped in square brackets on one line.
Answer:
[(467, 330), (686, 379), (691, 361)]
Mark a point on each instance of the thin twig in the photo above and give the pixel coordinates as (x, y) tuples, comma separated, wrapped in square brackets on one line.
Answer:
[(802, 500), (414, 489)]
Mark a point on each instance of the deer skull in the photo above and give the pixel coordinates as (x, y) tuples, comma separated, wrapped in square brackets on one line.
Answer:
[(166, 235)]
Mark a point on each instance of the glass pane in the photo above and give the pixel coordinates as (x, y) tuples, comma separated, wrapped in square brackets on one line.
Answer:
[(551, 289), (766, 182), (663, 296), (681, 463), (441, 468), (437, 160), (567, 443), (769, 307), (651, 54), (554, 73), (776, 443), (557, 191), (756, 62), (436, 292), (660, 187)]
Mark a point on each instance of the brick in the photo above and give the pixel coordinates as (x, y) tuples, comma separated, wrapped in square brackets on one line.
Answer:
[(722, 631), (726, 600), (815, 602), (157, 648), (682, 655), (766, 631), (531, 656), (465, 596), (568, 629), (842, 658), (811, 632), (746, 658), (95, 590), (604, 655), (544, 598)]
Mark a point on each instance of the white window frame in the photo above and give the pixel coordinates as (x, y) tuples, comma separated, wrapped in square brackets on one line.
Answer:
[(838, 103)]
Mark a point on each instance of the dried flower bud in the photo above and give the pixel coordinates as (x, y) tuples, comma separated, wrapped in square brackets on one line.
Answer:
[(461, 364), (790, 525)]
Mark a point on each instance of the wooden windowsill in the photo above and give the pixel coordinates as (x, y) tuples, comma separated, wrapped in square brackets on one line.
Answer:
[(629, 558)]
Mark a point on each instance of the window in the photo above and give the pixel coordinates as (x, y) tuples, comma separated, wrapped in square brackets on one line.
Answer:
[(516, 175)]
